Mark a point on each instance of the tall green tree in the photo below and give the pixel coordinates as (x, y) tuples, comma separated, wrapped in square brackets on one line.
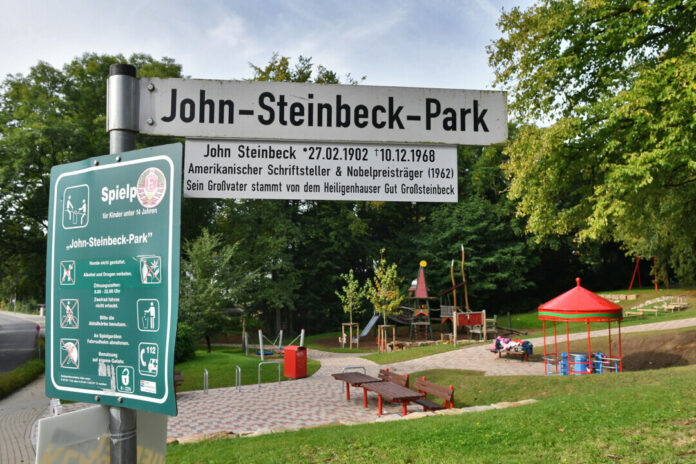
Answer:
[(214, 280), (611, 87), (50, 116), (300, 246), (498, 257)]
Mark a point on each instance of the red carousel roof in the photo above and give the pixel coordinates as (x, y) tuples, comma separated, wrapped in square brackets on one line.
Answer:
[(580, 305)]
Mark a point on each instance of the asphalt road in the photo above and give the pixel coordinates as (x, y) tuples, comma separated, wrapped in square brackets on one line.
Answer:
[(17, 337)]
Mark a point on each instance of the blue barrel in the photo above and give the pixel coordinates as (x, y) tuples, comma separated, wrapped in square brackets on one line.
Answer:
[(580, 366)]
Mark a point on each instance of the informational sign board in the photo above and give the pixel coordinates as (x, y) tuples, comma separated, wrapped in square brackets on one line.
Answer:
[(112, 279), (320, 171), (320, 112)]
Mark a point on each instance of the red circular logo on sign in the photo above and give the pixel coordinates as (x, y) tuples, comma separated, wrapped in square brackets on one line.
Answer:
[(152, 186)]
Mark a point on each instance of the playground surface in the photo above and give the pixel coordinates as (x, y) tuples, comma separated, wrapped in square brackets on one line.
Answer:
[(314, 401)]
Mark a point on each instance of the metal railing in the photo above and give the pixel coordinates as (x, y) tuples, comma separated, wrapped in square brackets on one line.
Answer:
[(277, 363)]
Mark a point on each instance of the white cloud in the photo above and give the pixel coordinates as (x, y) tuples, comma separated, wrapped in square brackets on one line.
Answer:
[(230, 31)]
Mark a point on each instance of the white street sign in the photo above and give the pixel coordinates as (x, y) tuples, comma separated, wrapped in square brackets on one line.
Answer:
[(319, 112), (320, 171)]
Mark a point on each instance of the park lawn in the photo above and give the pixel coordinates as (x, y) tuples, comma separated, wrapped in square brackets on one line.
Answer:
[(221, 362), (410, 353), (636, 417)]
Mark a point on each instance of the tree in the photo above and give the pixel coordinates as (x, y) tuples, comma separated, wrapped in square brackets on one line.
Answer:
[(383, 289), (296, 244), (351, 294), (499, 260), (614, 83), (49, 117), (213, 281)]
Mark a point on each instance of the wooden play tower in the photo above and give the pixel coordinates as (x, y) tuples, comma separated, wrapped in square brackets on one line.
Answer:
[(418, 295)]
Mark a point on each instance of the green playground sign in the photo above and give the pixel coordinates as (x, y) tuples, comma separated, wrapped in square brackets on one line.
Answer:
[(112, 279)]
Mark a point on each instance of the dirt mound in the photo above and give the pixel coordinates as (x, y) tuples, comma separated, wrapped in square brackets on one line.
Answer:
[(655, 351), (641, 351)]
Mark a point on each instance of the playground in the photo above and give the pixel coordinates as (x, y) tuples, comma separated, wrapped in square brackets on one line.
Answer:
[(488, 383)]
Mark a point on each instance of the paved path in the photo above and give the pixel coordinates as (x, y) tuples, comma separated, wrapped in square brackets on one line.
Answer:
[(318, 400), (18, 412)]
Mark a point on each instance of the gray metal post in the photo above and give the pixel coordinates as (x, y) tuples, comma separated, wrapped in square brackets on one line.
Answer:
[(122, 99), (261, 344), (122, 125)]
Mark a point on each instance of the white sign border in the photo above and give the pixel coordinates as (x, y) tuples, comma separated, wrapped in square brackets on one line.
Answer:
[(169, 281)]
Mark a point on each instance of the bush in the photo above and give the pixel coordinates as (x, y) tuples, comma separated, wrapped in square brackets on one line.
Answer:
[(12, 381), (185, 347)]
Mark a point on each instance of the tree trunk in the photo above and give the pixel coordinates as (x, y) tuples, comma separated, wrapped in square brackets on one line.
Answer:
[(207, 342), (278, 321)]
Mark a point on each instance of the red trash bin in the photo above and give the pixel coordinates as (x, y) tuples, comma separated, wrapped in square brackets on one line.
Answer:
[(295, 362)]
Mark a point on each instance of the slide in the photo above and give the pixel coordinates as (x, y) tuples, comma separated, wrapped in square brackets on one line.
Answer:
[(368, 327)]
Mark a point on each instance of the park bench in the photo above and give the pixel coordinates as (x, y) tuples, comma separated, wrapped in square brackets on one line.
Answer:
[(523, 350), (178, 380), (428, 388), (388, 376), (513, 352)]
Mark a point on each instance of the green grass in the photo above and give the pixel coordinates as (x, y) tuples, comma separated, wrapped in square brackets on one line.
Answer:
[(221, 362), (410, 353), (637, 417), (17, 378)]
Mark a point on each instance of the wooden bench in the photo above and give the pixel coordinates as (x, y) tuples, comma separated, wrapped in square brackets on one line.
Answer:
[(428, 388), (178, 380), (387, 376)]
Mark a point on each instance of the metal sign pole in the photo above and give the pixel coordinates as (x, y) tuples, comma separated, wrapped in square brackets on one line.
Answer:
[(122, 107)]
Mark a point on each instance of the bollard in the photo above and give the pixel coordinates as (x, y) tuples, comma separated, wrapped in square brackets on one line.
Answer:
[(238, 378), (205, 381), (261, 344)]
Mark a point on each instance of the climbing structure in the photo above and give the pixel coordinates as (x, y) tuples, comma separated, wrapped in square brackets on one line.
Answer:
[(418, 295)]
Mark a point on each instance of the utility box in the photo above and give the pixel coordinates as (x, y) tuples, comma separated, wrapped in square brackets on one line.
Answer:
[(295, 362)]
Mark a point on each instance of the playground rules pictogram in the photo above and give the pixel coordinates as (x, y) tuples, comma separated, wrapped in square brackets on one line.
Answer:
[(69, 313), (67, 272), (112, 279)]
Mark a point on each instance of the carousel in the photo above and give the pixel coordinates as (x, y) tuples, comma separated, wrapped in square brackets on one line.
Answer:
[(580, 305)]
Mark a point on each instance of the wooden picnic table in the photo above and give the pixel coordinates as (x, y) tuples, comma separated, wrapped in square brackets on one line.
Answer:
[(355, 379), (393, 393)]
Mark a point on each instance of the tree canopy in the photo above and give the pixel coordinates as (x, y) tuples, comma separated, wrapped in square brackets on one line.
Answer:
[(605, 95), (297, 249), (49, 117)]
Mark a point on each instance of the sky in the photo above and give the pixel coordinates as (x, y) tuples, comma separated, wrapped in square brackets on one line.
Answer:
[(433, 43)]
